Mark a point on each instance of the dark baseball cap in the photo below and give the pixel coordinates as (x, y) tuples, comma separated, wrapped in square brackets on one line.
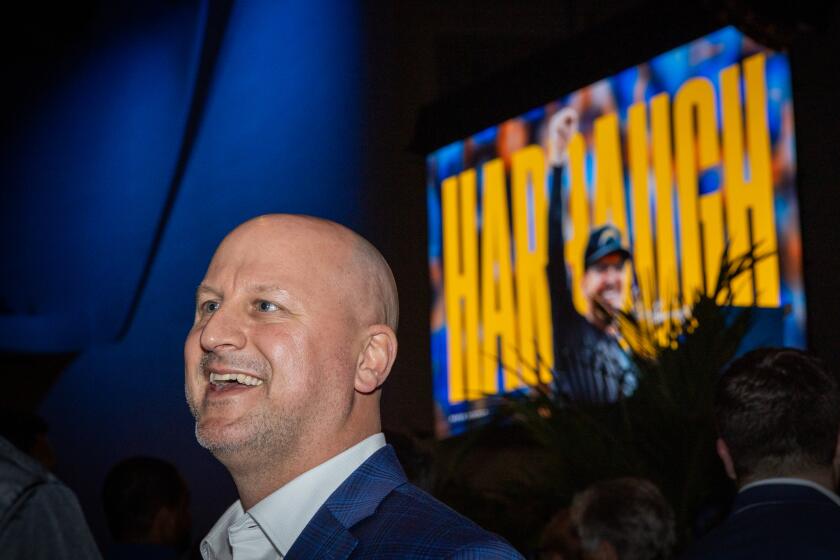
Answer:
[(604, 240)]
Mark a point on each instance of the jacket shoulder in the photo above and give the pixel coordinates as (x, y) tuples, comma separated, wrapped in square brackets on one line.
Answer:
[(774, 530), (18, 475), (409, 523)]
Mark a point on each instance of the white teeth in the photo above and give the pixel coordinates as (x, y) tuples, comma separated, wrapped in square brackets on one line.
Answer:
[(247, 379), (242, 378)]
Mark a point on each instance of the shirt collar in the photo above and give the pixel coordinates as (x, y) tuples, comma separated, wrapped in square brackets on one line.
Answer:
[(215, 545), (283, 514), (795, 481)]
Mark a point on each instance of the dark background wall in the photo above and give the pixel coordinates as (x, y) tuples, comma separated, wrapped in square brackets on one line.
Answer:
[(135, 134), (141, 134)]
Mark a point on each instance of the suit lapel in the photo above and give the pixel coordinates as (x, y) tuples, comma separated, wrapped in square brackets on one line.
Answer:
[(324, 537), (328, 534)]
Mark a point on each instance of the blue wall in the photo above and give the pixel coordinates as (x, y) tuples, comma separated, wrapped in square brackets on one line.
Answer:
[(87, 177)]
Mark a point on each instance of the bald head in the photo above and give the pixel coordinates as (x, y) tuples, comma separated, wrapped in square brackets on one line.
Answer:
[(354, 268), (293, 337)]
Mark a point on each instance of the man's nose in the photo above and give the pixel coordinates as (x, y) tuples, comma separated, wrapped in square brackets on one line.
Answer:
[(223, 330), (615, 276)]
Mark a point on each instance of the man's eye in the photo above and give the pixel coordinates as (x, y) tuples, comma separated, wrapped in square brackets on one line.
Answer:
[(266, 306), (210, 306)]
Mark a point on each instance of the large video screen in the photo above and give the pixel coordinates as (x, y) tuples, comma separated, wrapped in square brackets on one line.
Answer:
[(622, 194)]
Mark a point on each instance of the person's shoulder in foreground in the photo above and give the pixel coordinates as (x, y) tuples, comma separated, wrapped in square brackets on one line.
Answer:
[(39, 516), (293, 339), (377, 513), (778, 414)]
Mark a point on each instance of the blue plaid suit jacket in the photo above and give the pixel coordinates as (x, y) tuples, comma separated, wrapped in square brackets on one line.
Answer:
[(376, 513)]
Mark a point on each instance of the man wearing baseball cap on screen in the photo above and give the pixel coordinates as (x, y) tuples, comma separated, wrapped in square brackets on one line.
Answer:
[(603, 279), (589, 362)]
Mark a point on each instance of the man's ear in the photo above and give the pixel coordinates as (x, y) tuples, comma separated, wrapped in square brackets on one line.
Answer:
[(726, 458), (376, 358)]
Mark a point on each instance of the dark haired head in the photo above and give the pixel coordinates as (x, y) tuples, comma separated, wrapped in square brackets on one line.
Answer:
[(628, 514), (135, 493), (778, 412)]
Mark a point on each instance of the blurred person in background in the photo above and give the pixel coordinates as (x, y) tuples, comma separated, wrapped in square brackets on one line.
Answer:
[(623, 519), (28, 432), (146, 505), (559, 539), (40, 518), (778, 417)]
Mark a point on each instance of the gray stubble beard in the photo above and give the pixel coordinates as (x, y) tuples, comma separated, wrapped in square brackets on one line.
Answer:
[(267, 436)]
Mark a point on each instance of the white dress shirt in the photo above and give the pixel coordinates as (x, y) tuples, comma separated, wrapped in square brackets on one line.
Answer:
[(269, 529)]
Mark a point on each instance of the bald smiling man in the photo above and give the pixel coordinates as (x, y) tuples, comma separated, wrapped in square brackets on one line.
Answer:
[(294, 335)]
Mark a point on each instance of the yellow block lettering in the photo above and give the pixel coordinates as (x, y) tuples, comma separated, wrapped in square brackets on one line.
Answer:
[(498, 321), (460, 277), (579, 213), (749, 199), (697, 150), (637, 150), (666, 254), (530, 222)]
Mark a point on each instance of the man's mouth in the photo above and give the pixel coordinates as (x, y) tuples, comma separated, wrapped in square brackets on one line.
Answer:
[(223, 380)]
